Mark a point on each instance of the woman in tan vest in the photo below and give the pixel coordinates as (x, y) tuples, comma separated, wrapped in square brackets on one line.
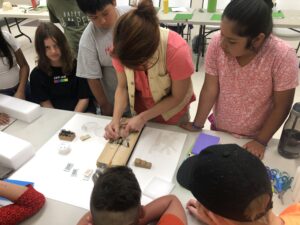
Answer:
[(154, 67)]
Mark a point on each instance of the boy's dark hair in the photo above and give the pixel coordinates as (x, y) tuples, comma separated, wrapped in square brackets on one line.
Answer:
[(252, 17), (5, 50), (49, 30), (92, 6), (116, 190), (136, 35)]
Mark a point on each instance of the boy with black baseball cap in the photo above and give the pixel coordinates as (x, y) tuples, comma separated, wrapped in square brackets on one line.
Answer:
[(231, 187)]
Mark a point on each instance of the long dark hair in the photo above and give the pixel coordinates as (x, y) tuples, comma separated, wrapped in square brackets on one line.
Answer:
[(252, 17), (5, 50), (49, 30), (136, 35)]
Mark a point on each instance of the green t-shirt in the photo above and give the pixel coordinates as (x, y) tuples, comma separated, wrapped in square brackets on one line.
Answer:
[(70, 17)]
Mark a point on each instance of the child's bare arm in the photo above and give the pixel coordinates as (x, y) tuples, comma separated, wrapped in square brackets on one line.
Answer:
[(47, 104), (207, 99), (82, 104), (98, 92), (169, 204), (24, 73), (283, 101), (11, 191)]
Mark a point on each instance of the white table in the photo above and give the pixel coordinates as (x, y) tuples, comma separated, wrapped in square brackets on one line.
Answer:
[(21, 13), (24, 12), (59, 213)]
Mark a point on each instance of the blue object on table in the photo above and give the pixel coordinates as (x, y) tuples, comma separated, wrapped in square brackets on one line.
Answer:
[(203, 141), (281, 181), (19, 182)]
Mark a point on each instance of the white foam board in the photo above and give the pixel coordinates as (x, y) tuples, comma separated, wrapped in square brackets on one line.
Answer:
[(19, 109), (14, 152)]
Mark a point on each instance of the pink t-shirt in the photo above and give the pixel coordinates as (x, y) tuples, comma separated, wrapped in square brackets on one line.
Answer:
[(245, 95), (179, 66)]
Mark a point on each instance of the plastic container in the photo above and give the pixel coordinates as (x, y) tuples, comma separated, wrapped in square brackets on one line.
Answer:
[(296, 186), (35, 3), (211, 6), (166, 6), (289, 144)]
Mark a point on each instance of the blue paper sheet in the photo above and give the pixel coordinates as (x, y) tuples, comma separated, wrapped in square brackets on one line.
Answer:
[(203, 141), (19, 182)]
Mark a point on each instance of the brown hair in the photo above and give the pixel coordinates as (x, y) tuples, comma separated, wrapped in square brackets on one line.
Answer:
[(258, 206), (49, 30), (136, 35)]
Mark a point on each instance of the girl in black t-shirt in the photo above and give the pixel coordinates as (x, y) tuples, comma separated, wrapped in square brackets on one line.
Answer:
[(53, 82)]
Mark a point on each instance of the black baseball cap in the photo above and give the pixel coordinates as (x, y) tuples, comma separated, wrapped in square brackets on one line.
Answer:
[(225, 179)]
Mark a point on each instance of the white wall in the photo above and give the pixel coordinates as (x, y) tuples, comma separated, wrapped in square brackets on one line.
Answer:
[(179, 3), (122, 2), (221, 4), (288, 4)]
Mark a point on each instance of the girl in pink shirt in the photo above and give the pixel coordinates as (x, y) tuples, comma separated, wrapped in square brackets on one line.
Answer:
[(250, 76)]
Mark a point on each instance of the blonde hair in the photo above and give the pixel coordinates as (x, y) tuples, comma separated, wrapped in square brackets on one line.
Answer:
[(258, 206)]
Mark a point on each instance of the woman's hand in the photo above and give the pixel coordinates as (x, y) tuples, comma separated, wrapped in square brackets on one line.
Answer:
[(255, 148), (112, 130), (134, 124), (4, 119)]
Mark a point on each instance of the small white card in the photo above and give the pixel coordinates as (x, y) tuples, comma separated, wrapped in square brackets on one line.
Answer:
[(158, 187), (179, 9)]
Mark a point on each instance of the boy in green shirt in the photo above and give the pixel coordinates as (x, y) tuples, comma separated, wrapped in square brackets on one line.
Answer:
[(70, 17)]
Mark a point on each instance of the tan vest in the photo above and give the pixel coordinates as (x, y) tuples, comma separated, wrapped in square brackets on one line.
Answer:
[(159, 80)]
